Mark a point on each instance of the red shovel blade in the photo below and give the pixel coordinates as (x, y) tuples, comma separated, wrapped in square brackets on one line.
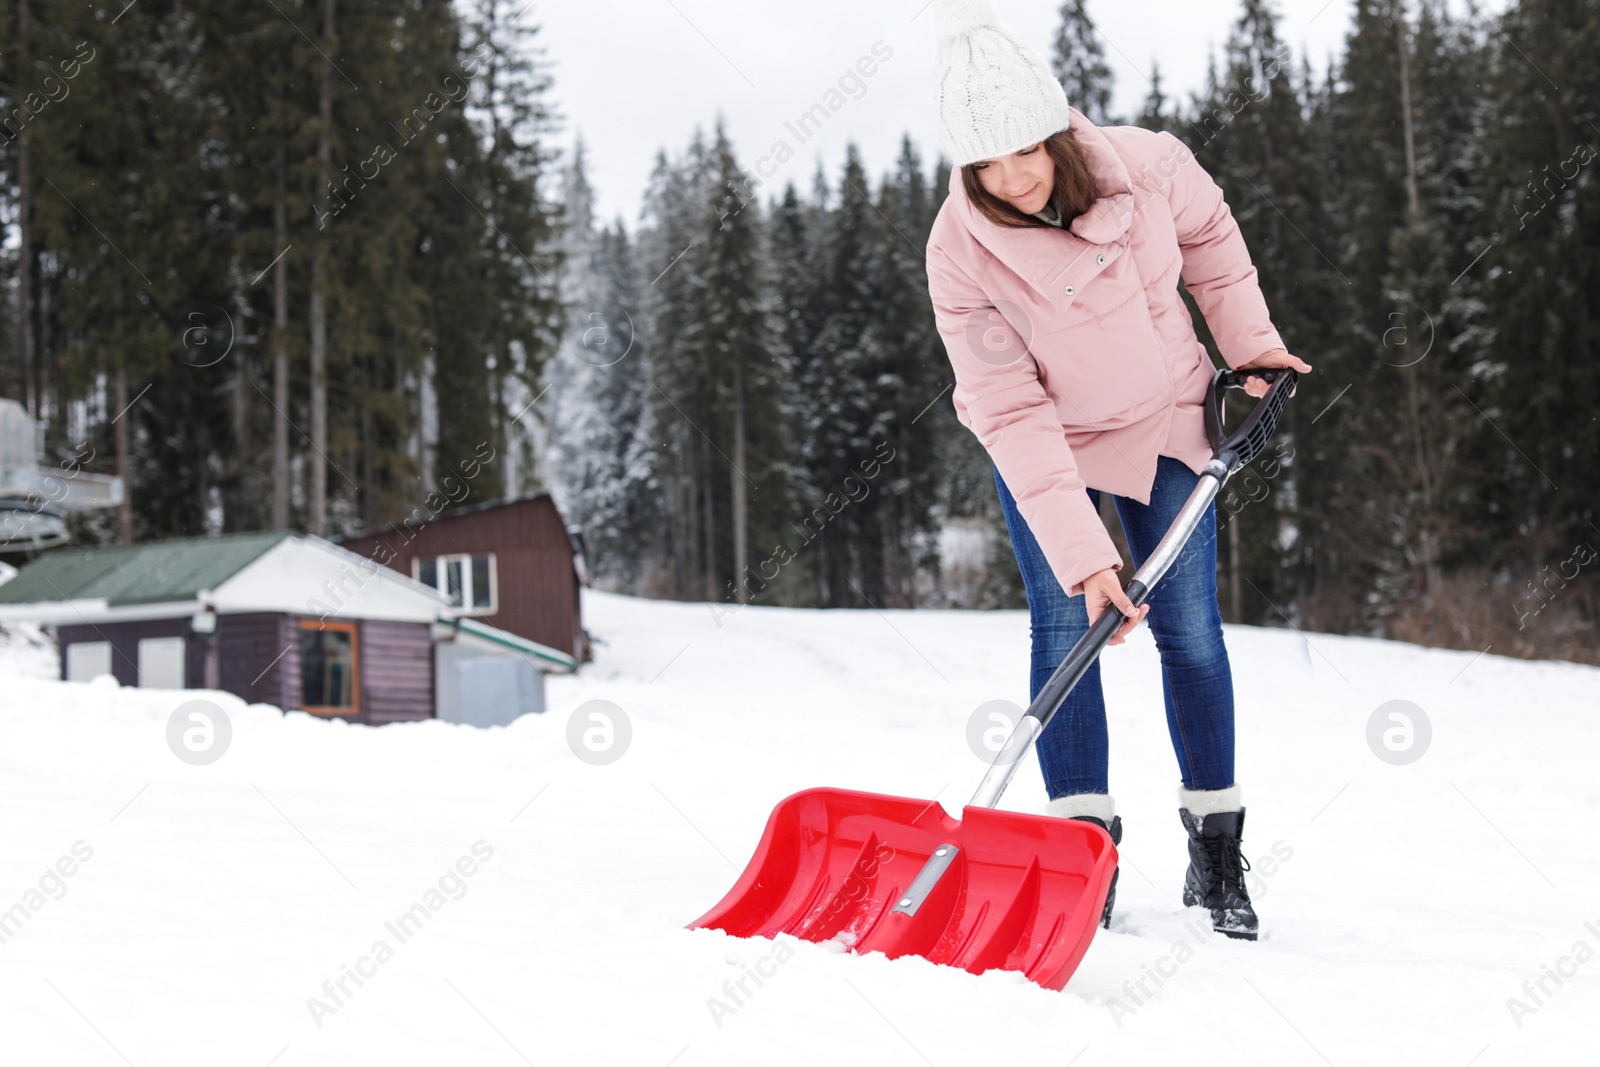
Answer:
[(1019, 892)]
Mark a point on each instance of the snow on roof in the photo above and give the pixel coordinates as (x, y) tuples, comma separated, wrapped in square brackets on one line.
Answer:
[(234, 573)]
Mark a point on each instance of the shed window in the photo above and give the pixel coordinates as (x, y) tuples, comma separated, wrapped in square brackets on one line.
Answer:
[(330, 681), (469, 581), (161, 662), (87, 660)]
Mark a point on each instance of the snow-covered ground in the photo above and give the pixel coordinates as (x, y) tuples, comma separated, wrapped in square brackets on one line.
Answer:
[(246, 911)]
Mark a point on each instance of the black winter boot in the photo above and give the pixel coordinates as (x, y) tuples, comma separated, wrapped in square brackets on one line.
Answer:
[(1216, 872), (1115, 830)]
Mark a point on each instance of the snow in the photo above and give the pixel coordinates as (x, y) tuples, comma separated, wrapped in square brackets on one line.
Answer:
[(207, 905), (26, 651)]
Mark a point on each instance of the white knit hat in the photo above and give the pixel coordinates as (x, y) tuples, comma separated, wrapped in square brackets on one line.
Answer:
[(992, 95)]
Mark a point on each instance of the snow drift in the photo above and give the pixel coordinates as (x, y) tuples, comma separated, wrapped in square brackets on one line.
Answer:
[(424, 893)]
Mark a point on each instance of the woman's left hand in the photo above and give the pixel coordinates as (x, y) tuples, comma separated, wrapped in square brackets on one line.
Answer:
[(1278, 357)]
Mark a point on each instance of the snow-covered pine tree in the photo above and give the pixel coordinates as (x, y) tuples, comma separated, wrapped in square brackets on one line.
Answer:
[(746, 373), (599, 458), (802, 251), (635, 510), (966, 505), (671, 248), (841, 384), (795, 279), (904, 360)]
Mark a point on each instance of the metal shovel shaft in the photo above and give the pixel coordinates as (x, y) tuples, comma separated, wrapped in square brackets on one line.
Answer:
[(1077, 662)]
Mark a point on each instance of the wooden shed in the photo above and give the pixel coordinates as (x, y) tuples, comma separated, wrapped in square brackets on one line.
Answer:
[(275, 618), (510, 563)]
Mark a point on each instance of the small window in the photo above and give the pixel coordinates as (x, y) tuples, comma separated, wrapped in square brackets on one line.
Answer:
[(161, 663), (482, 582), (330, 681), (452, 580), (468, 581), (87, 660)]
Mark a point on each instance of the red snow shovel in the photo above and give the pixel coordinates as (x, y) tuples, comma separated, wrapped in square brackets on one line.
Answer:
[(994, 888)]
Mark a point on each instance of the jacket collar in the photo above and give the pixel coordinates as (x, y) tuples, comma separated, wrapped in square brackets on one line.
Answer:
[(1039, 254)]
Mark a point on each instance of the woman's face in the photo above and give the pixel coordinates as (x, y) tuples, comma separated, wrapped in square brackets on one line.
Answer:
[(1023, 179)]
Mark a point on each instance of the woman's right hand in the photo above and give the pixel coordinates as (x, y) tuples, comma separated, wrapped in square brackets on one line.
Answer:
[(1102, 588)]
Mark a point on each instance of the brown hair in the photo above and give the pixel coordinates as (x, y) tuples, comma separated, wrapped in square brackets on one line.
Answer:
[(1072, 194)]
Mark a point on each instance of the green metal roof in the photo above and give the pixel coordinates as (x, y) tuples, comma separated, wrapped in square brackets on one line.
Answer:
[(513, 641), (153, 573)]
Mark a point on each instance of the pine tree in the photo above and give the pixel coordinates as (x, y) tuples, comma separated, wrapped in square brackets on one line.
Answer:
[(751, 372), (672, 251), (131, 258), (509, 100), (905, 358), (1154, 115), (601, 419), (1079, 64), (1355, 574), (795, 281), (1250, 135), (841, 381), (1535, 453), (259, 128), (633, 518), (1442, 184), (215, 177)]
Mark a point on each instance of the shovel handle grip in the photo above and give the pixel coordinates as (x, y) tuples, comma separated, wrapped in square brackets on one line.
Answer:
[(1240, 448)]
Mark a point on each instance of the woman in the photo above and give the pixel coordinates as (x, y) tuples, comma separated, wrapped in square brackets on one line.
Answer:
[(1053, 269)]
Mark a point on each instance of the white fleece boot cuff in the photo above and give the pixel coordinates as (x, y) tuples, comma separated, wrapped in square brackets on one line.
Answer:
[(1100, 805), (1209, 801)]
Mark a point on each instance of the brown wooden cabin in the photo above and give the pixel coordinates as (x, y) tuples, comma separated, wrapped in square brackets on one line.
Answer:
[(513, 561)]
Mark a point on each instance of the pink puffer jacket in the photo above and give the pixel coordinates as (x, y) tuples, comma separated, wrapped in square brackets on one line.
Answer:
[(1076, 362)]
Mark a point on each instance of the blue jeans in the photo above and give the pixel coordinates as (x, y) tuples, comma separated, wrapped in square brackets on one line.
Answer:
[(1184, 620)]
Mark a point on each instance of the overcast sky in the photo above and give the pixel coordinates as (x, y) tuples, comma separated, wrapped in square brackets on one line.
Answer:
[(636, 76)]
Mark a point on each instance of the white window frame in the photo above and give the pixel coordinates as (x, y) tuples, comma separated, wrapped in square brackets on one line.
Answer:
[(465, 559)]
